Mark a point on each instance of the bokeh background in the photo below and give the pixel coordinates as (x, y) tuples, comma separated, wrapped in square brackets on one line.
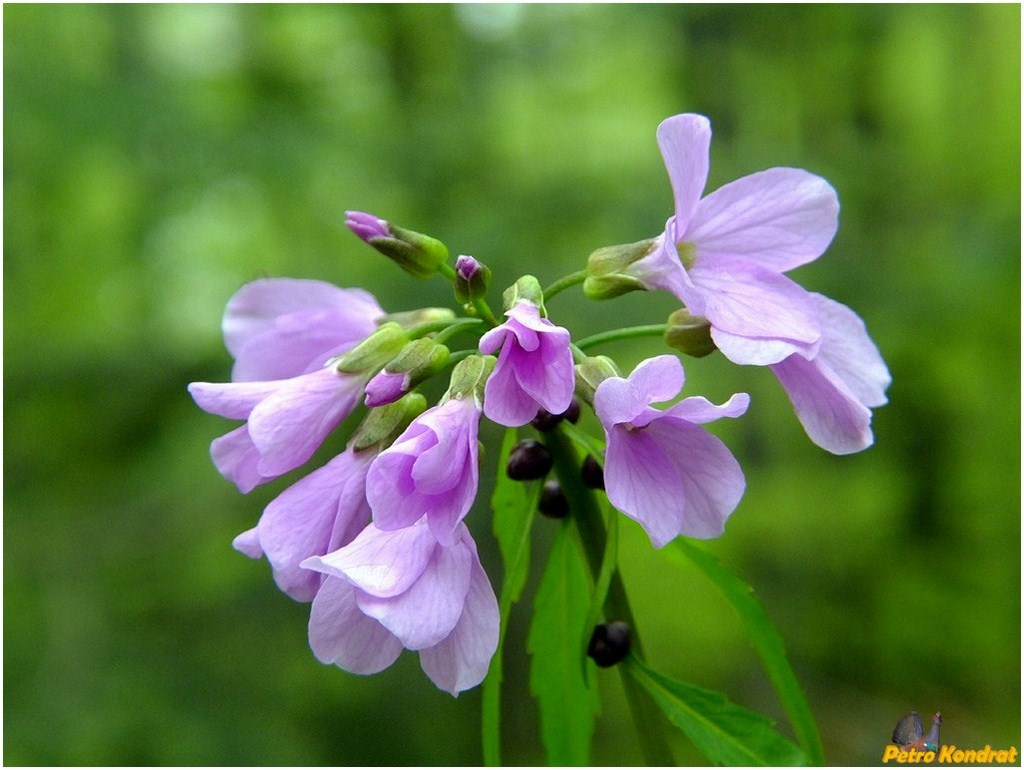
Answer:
[(158, 157)]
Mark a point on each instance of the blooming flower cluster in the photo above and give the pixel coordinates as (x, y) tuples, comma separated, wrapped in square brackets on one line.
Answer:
[(376, 539)]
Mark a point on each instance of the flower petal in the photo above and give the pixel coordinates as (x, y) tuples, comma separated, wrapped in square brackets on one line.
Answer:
[(643, 483), (712, 481), (685, 142), (237, 459), (505, 401), (380, 563), (829, 411), (848, 351), (780, 218), (618, 400), (234, 400), (341, 634), (427, 612), (759, 351), (248, 543), (698, 410), (462, 659)]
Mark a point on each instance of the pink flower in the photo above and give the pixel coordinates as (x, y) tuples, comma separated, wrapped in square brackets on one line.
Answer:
[(278, 328), (318, 514), (724, 255), (386, 591), (661, 468), (534, 369), (286, 421), (833, 391), (430, 470)]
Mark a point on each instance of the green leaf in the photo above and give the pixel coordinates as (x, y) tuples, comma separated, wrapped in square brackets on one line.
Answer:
[(514, 505), (567, 705), (725, 733), (768, 643)]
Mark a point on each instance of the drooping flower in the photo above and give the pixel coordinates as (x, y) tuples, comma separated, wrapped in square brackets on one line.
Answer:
[(286, 421), (278, 328), (724, 255), (833, 392), (316, 515), (431, 470), (534, 369), (389, 590), (661, 468)]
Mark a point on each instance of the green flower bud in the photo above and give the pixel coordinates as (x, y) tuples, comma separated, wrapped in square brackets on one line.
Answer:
[(386, 423), (424, 315), (471, 279), (469, 377), (414, 252), (605, 276), (591, 373), (422, 359), (527, 288), (689, 333), (375, 351)]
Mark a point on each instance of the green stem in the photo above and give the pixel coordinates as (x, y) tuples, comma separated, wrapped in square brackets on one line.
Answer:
[(564, 283), (452, 329), (444, 327), (586, 512), (630, 332)]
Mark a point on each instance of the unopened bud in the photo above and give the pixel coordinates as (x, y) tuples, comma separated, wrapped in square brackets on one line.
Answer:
[(545, 421), (375, 351), (689, 333), (417, 362), (592, 372), (471, 279), (553, 503), (526, 288), (606, 276), (410, 318), (609, 644), (414, 252), (384, 424), (592, 473), (529, 460)]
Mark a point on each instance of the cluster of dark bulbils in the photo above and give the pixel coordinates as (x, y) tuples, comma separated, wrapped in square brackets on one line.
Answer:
[(530, 460)]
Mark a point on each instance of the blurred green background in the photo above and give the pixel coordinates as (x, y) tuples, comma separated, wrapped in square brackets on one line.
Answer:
[(158, 157)]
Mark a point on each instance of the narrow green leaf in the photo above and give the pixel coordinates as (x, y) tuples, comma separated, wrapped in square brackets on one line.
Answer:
[(725, 733), (768, 643), (567, 705), (514, 505)]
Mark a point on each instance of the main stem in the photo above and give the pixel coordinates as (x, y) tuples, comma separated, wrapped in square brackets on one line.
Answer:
[(586, 512)]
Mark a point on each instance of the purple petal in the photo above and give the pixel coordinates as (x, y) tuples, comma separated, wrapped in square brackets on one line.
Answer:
[(237, 459), (712, 482), (366, 226), (289, 426), (255, 308), (780, 218), (248, 543), (698, 410), (685, 142), (300, 522), (386, 388), (831, 414), (234, 400), (427, 612), (389, 485), (662, 269), (462, 659), (644, 483), (505, 401), (619, 400), (745, 299), (848, 351), (380, 563), (340, 634), (758, 351), (442, 467)]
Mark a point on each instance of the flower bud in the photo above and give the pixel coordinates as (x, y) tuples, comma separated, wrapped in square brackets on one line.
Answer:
[(609, 644), (545, 421), (592, 473), (553, 503), (469, 377), (410, 318), (591, 373), (605, 276), (526, 288), (417, 362), (689, 333), (375, 351), (384, 424), (529, 460), (471, 279), (414, 252)]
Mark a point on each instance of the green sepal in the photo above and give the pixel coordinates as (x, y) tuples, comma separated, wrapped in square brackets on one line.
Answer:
[(416, 253), (375, 351), (605, 277), (526, 288), (386, 423), (689, 333)]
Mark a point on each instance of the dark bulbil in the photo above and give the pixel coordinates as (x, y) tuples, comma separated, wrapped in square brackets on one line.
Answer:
[(553, 502), (545, 420), (529, 460), (609, 644), (592, 473)]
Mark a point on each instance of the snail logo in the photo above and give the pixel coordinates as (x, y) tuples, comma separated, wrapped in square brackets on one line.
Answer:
[(911, 746)]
